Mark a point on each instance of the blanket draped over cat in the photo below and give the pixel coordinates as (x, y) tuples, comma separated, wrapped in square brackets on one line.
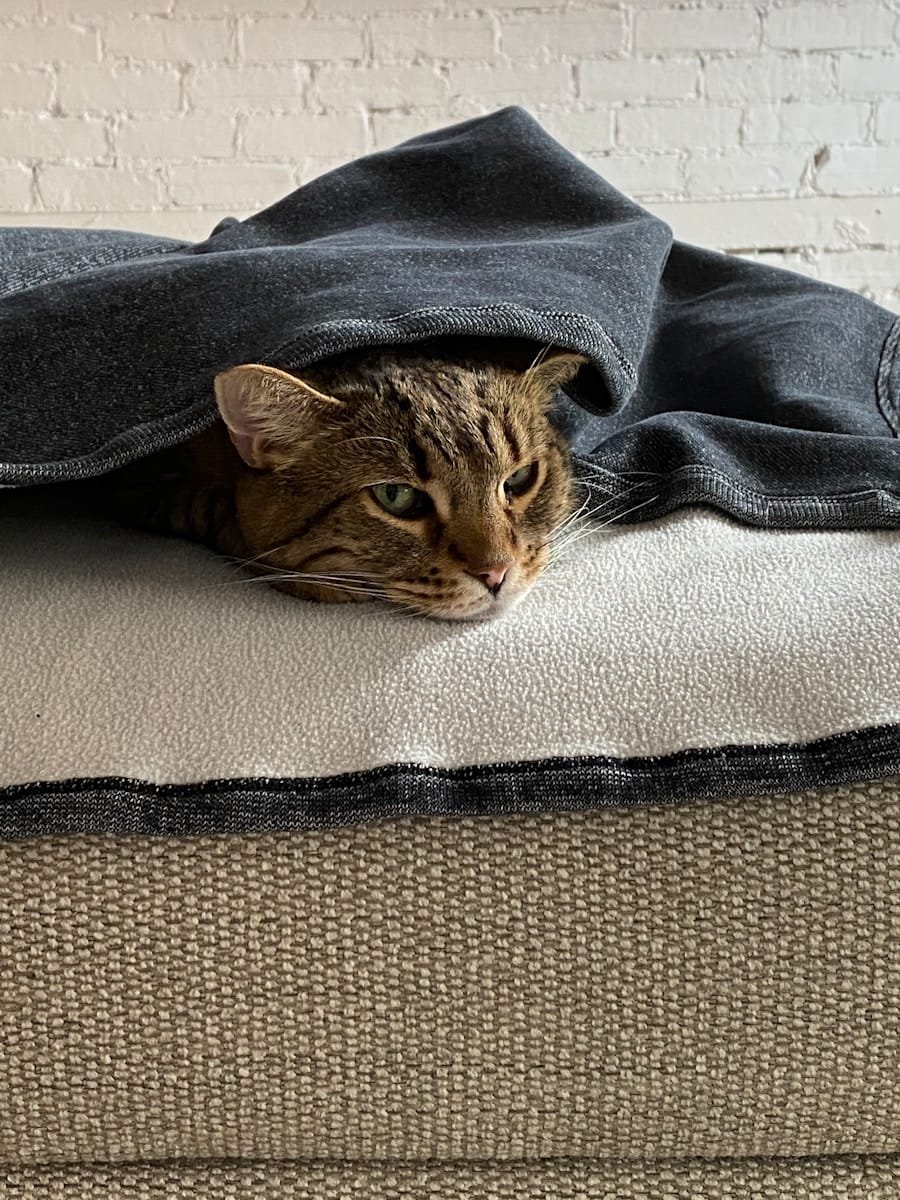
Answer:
[(713, 380)]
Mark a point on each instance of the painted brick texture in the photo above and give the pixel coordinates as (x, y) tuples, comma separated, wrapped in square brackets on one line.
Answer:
[(769, 128)]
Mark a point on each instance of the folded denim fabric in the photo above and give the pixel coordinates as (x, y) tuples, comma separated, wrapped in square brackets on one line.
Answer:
[(769, 396)]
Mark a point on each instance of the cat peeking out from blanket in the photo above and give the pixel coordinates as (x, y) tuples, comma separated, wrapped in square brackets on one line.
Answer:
[(429, 475)]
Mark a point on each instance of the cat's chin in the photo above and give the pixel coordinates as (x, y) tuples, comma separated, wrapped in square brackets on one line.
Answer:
[(494, 608)]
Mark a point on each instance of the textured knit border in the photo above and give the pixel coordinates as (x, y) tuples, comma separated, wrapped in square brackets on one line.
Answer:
[(695, 483), (333, 337), (263, 805)]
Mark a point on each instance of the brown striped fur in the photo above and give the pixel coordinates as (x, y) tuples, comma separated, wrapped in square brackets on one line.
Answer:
[(284, 481)]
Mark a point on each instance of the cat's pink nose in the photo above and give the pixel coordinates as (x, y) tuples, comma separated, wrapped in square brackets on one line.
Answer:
[(492, 576)]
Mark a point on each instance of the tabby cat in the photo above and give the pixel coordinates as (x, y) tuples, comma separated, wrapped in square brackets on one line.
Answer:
[(425, 475)]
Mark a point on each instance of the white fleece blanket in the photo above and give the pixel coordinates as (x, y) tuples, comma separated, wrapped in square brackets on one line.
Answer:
[(124, 654)]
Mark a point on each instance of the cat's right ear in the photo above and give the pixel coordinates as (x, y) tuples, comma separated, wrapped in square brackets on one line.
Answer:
[(269, 413)]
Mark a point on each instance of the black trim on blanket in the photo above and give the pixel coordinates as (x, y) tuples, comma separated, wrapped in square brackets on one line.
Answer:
[(129, 806)]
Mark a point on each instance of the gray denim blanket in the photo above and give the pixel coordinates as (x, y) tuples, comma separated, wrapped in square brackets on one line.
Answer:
[(770, 396)]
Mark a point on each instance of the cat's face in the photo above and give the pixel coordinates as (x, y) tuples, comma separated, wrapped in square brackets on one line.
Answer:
[(432, 484)]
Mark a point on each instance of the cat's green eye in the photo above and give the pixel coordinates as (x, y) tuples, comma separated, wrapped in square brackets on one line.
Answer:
[(520, 481), (401, 500)]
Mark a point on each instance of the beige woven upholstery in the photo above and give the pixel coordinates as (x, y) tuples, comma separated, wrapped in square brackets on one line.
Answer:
[(710, 980), (849, 1178)]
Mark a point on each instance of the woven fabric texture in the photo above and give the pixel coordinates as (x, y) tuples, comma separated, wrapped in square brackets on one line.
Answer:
[(850, 1178), (711, 979)]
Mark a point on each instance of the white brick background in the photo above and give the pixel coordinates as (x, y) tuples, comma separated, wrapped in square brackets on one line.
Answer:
[(769, 128)]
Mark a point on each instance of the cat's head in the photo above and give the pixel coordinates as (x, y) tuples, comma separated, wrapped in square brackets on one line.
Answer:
[(427, 481)]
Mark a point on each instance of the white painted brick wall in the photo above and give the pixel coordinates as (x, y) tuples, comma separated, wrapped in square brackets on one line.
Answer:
[(769, 128)]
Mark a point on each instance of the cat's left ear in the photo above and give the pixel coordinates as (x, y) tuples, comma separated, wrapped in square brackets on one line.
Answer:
[(555, 369), (269, 412)]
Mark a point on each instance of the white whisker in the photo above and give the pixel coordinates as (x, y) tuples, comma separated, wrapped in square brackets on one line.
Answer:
[(371, 437), (353, 583), (566, 521), (592, 466), (566, 526), (536, 362), (587, 531), (248, 562)]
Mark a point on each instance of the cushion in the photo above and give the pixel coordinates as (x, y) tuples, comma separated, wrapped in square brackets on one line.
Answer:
[(154, 689)]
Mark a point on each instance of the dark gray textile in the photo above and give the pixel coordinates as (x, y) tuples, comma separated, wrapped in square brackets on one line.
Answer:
[(770, 396), (134, 806)]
